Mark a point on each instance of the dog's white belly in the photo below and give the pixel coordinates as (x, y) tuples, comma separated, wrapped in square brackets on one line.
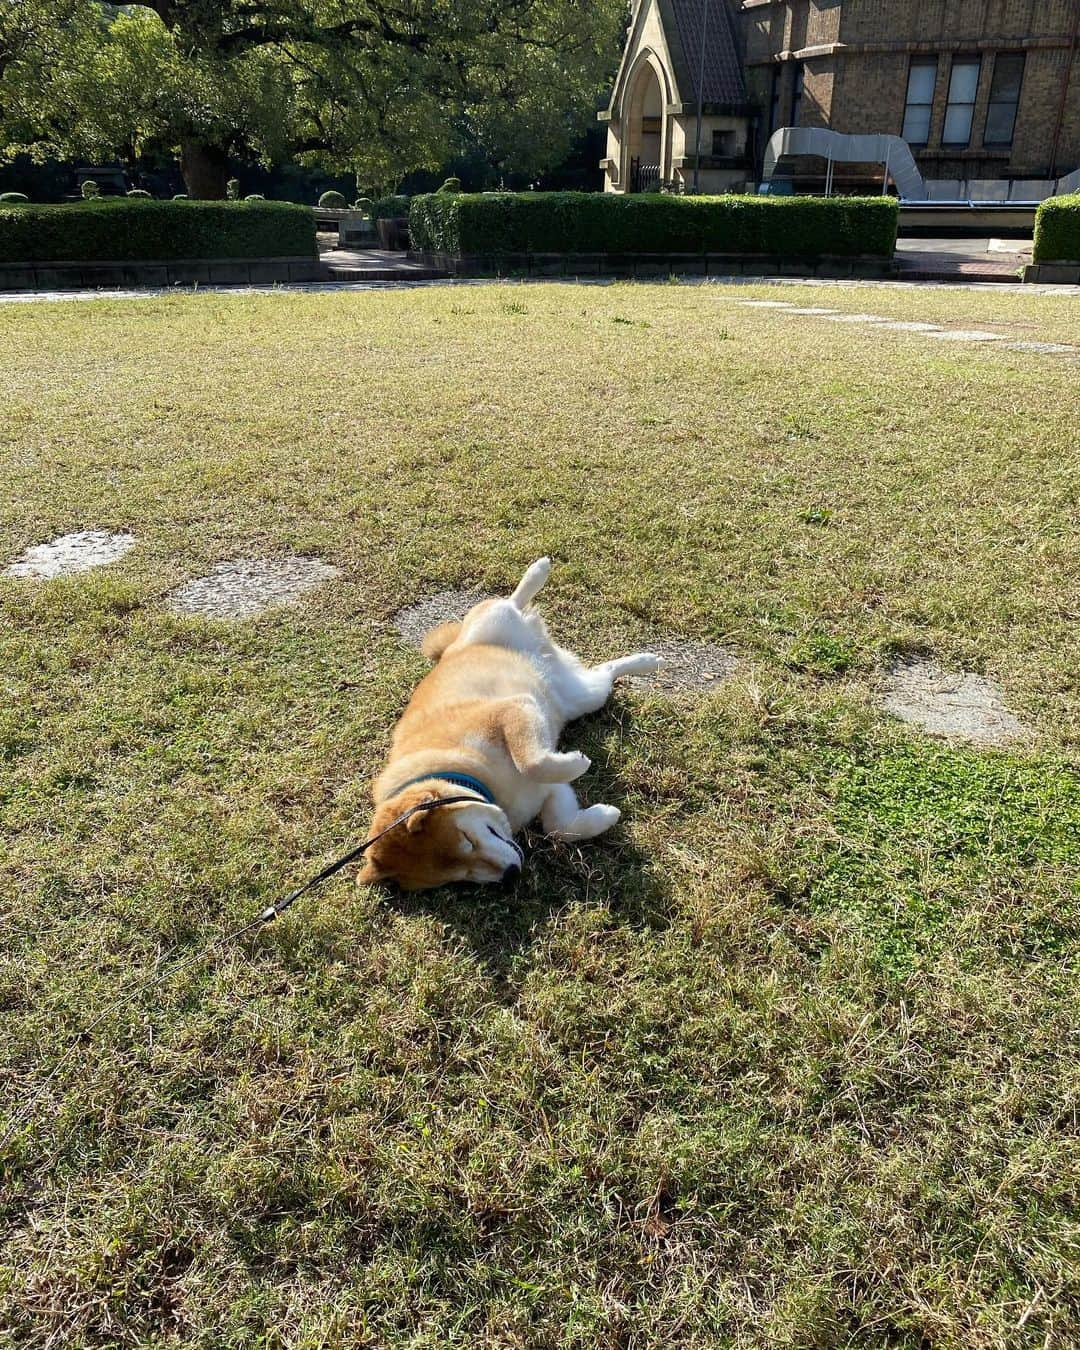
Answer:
[(499, 623)]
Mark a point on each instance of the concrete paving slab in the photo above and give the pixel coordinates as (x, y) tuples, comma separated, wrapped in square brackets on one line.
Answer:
[(956, 704), (418, 620), (689, 667), (967, 335), (246, 587), (78, 552)]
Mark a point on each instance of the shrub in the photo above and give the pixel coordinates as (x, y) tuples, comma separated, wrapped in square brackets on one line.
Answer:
[(363, 204), (389, 208), (334, 201), (1057, 230), (232, 190), (255, 197), (140, 192), (13, 198), (451, 185), (180, 196), (116, 230), (585, 222), (90, 189)]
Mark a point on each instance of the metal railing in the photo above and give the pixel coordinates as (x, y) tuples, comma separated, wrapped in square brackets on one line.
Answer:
[(644, 177)]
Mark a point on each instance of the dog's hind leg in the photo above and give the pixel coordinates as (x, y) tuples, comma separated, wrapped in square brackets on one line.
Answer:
[(564, 818), (532, 583), (591, 687)]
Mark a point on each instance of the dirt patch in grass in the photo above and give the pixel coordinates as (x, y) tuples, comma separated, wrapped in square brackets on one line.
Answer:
[(78, 552), (247, 586), (959, 705)]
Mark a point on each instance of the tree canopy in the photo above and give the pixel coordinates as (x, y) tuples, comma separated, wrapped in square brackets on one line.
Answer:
[(379, 87)]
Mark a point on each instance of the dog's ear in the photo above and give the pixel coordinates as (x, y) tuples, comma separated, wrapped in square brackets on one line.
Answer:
[(419, 821)]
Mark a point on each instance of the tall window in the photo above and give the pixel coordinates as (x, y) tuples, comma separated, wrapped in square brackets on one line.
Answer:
[(797, 96), (921, 80), (1004, 97), (963, 87)]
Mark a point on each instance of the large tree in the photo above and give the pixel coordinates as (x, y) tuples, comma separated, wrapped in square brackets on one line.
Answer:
[(380, 87)]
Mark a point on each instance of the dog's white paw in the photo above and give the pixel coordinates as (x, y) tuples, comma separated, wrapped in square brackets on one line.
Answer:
[(560, 768), (589, 823)]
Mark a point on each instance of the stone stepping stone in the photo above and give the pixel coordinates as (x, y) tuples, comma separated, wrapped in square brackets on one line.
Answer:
[(1055, 347), (418, 620), (689, 667), (78, 552), (959, 705), (912, 326), (967, 335), (766, 304), (855, 318), (816, 310), (245, 587)]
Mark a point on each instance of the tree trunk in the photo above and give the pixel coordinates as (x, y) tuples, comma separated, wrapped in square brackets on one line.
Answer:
[(205, 169)]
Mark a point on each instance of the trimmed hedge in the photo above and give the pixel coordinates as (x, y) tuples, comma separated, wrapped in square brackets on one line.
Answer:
[(1057, 230), (595, 222), (389, 208), (117, 230)]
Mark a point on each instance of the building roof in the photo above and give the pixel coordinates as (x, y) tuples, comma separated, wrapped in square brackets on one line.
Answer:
[(723, 76)]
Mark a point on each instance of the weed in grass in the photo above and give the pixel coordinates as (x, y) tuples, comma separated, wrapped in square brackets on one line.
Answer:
[(822, 654)]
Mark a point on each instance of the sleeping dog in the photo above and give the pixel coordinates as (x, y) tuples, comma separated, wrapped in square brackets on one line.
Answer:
[(485, 725)]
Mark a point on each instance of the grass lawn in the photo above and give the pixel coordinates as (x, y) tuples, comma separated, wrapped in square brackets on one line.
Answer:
[(787, 1059)]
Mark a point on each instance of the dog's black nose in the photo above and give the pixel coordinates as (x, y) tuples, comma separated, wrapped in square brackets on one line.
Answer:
[(510, 876)]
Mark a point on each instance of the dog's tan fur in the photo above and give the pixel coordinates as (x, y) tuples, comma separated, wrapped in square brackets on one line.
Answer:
[(493, 708)]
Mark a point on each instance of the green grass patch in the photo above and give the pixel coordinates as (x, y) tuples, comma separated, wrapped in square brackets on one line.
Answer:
[(788, 1059)]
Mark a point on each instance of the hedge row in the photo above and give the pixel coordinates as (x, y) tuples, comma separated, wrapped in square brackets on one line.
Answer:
[(595, 222), (119, 230), (389, 208), (1057, 230)]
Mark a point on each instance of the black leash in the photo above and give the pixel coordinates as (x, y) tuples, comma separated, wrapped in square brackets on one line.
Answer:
[(268, 915)]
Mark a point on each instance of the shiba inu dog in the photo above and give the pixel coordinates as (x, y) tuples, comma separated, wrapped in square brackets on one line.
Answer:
[(485, 725)]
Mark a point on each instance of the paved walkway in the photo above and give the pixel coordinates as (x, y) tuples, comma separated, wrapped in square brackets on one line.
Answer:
[(317, 287), (973, 259), (992, 260), (373, 264)]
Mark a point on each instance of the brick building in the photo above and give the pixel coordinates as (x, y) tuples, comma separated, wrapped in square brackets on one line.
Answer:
[(980, 89)]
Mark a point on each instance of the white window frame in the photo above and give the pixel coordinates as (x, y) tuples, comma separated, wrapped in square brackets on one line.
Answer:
[(957, 105), (919, 63)]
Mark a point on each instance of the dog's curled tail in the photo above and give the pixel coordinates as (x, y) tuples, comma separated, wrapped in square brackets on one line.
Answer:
[(437, 641)]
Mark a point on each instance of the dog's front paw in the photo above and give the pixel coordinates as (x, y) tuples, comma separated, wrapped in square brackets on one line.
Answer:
[(560, 768)]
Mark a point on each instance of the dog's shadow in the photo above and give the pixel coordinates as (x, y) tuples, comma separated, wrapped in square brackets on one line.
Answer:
[(501, 927)]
